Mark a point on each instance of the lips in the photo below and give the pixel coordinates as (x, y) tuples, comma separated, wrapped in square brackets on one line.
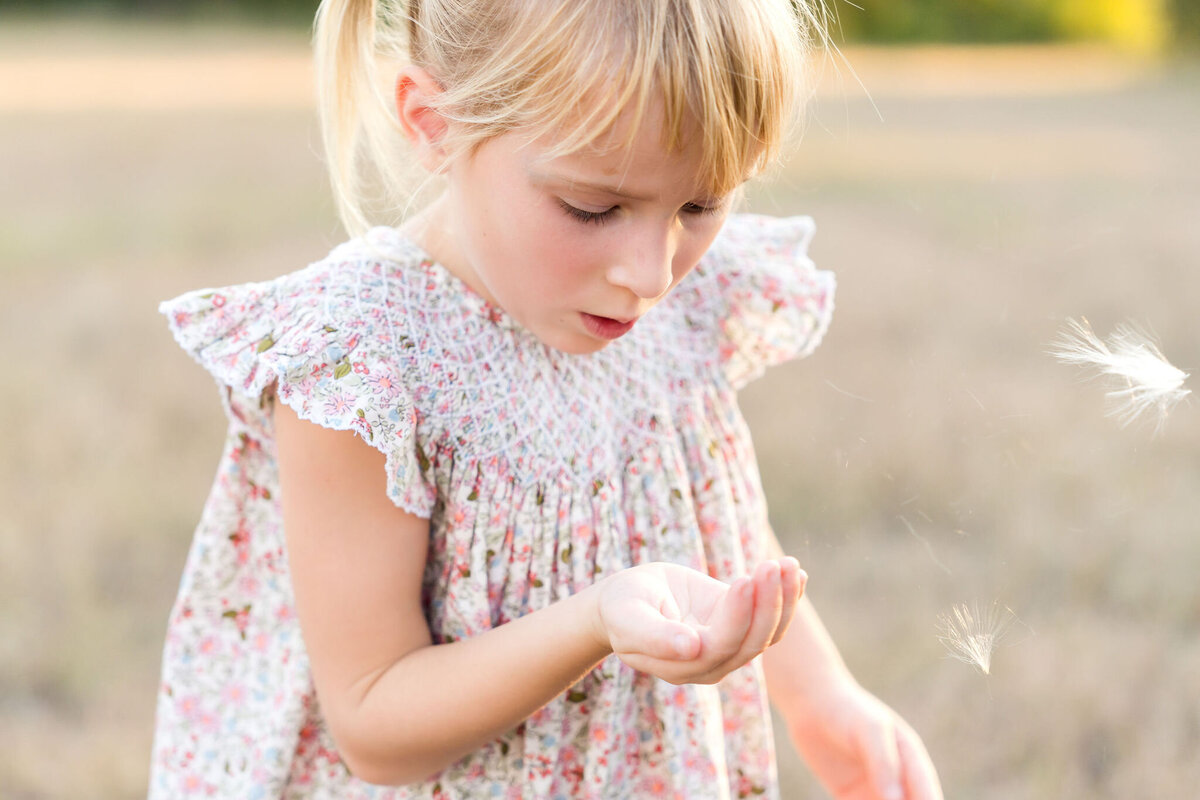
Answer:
[(606, 327)]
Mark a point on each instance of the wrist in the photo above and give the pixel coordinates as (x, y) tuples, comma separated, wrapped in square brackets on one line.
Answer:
[(594, 627), (804, 669), (804, 690)]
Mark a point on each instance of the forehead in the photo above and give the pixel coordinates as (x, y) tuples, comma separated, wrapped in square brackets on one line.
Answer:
[(634, 151)]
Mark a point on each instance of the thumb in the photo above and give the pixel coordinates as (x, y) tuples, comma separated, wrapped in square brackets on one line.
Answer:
[(883, 761), (645, 630), (731, 618)]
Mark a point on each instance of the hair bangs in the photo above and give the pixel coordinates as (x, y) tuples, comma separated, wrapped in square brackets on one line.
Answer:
[(725, 81), (726, 75)]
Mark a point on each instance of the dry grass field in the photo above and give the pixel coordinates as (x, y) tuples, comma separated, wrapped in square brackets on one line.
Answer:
[(929, 454)]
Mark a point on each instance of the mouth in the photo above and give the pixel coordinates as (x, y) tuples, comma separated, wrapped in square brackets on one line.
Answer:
[(606, 327)]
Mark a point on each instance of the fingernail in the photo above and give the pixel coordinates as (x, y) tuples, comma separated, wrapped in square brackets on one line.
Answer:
[(893, 792)]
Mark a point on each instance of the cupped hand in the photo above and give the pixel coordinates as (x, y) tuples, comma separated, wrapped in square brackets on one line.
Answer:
[(685, 627), (860, 749)]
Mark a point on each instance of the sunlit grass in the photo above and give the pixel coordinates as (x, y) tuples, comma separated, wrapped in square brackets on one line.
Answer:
[(960, 240)]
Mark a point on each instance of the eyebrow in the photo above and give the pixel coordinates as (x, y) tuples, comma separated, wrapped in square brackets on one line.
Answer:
[(570, 180)]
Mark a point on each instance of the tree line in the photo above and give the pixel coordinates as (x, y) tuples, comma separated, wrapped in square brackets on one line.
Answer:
[(1144, 24)]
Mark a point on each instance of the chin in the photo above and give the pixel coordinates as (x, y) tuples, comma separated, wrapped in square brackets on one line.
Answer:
[(577, 345)]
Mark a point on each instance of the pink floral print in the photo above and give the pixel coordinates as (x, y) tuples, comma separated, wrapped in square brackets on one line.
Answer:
[(539, 472)]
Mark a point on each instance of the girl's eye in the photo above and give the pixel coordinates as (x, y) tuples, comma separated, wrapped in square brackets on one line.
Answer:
[(590, 217), (696, 208)]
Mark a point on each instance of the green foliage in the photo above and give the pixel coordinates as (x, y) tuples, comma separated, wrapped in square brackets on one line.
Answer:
[(287, 11), (1138, 24), (1185, 19), (945, 20), (1133, 24)]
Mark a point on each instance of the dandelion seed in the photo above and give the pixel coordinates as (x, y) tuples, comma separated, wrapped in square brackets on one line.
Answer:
[(970, 635), (1145, 380)]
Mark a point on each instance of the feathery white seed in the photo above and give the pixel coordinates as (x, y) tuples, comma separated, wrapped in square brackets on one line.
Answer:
[(970, 635), (1143, 378)]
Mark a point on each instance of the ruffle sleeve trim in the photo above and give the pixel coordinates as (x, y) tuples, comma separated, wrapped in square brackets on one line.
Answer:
[(326, 369), (775, 305)]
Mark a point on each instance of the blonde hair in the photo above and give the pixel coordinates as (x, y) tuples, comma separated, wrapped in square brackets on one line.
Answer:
[(733, 70)]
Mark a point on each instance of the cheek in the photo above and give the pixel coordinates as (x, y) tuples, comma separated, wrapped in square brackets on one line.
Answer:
[(527, 256), (506, 236), (560, 255), (690, 253)]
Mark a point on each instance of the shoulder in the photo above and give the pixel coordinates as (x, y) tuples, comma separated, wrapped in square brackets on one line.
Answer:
[(748, 255), (324, 317), (332, 304), (755, 241), (758, 294), (359, 281), (332, 339), (356, 269)]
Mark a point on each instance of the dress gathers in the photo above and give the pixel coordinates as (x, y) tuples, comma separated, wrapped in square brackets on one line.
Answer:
[(539, 471)]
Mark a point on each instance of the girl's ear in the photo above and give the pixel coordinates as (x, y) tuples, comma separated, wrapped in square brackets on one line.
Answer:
[(425, 128)]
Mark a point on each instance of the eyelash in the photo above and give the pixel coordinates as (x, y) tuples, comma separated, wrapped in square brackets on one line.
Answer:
[(586, 217), (600, 217)]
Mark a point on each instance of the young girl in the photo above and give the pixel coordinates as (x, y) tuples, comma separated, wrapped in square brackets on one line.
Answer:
[(488, 522)]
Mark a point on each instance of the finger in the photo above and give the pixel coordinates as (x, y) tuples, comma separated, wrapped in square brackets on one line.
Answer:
[(801, 578), (644, 630), (767, 606), (883, 763), (791, 585), (730, 621), (920, 776)]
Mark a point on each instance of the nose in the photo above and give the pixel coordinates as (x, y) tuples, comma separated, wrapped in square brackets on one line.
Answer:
[(644, 263)]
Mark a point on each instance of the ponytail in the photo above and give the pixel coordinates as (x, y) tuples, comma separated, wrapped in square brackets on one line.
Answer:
[(357, 116)]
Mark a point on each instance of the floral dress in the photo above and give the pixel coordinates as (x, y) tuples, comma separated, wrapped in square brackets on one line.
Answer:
[(539, 471)]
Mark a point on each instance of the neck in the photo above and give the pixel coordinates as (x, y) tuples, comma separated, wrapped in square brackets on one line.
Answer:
[(432, 230)]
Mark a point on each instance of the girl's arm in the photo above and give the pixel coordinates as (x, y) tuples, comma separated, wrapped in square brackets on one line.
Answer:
[(401, 709), (858, 747)]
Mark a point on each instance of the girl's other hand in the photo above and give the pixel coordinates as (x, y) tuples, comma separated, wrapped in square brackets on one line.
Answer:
[(683, 626), (861, 749)]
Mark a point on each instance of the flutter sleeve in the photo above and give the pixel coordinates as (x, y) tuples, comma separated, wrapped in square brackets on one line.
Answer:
[(769, 301), (328, 353)]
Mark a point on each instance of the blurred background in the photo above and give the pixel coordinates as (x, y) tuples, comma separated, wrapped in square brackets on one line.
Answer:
[(980, 170)]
